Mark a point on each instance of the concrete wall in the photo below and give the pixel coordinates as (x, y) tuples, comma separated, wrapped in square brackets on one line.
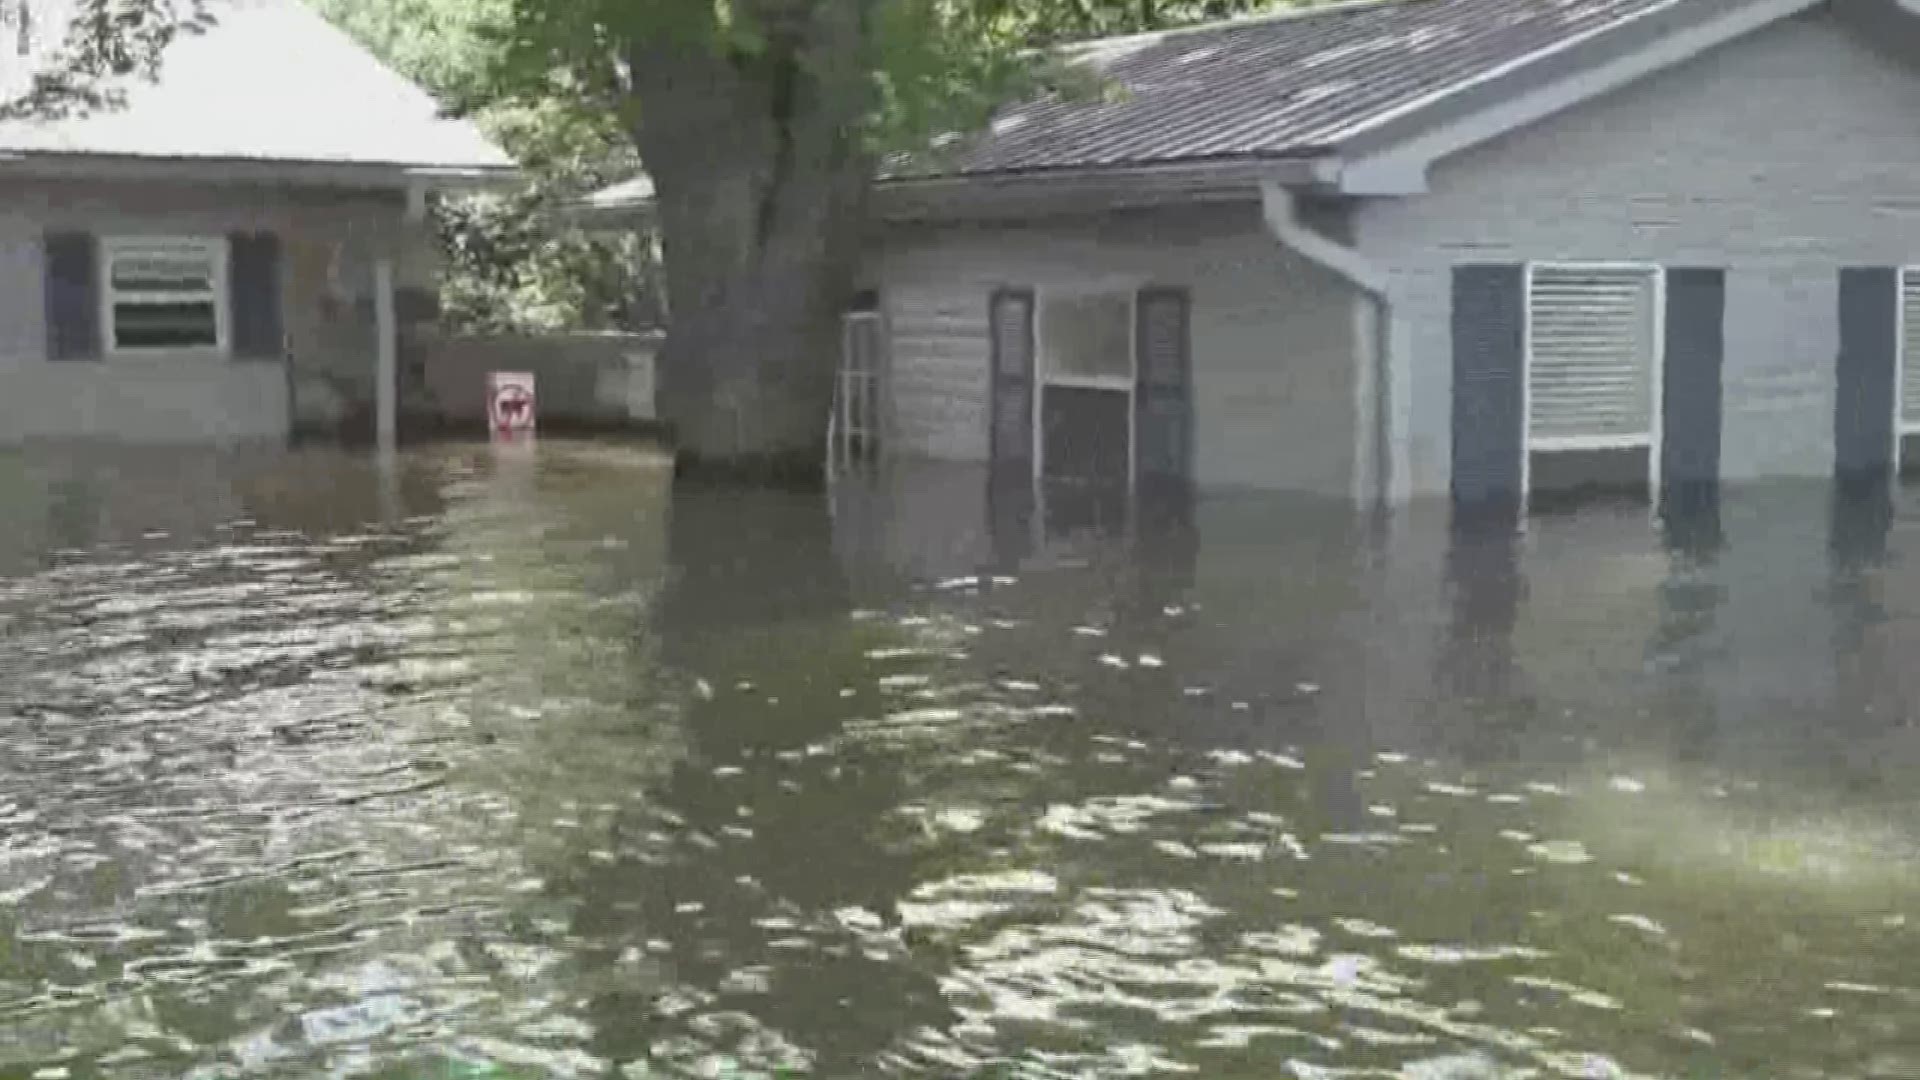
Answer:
[(1782, 157), (1272, 334), (580, 378), (330, 241)]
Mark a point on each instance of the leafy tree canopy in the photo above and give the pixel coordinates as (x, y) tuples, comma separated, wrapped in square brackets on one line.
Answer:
[(513, 261), (924, 66), (65, 56)]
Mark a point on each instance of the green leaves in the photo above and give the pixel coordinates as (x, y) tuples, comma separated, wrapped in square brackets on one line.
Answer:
[(563, 85), (79, 63), (513, 261)]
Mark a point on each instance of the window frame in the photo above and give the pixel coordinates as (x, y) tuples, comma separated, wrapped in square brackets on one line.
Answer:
[(1657, 272), (218, 249), (1044, 376)]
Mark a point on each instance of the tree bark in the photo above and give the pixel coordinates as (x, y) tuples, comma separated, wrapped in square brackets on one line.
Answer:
[(761, 180)]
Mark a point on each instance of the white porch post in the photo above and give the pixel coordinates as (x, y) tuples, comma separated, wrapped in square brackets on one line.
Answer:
[(387, 371)]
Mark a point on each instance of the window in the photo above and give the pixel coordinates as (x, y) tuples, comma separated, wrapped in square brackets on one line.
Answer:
[(1086, 402), (1593, 375), (165, 295), (1907, 407), (1087, 339)]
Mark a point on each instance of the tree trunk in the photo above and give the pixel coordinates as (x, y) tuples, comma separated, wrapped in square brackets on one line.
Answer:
[(761, 181)]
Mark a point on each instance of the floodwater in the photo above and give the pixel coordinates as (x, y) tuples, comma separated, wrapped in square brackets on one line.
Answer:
[(507, 765)]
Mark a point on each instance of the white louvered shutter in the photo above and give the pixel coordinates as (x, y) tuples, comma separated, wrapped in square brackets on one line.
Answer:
[(1591, 357), (1909, 350)]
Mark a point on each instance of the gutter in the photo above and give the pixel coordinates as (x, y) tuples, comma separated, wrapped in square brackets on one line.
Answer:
[(1281, 211), (1088, 188), (1381, 349)]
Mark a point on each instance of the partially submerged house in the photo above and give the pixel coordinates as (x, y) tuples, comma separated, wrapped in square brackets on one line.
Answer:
[(236, 251), (1407, 248)]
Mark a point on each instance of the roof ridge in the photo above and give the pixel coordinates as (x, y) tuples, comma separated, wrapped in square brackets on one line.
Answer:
[(1293, 11)]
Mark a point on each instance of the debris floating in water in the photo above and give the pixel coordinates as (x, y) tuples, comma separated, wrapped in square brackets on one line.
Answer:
[(1568, 852), (1627, 784), (1639, 922)]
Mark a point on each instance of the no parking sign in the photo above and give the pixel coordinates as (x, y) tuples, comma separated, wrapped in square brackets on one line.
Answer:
[(511, 404)]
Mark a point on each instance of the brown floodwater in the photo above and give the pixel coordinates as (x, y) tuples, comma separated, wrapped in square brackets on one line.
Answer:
[(516, 765)]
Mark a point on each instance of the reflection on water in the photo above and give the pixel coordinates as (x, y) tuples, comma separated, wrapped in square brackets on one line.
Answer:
[(511, 766)]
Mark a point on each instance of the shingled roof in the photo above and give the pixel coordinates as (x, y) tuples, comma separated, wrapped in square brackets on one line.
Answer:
[(1292, 85), (270, 82)]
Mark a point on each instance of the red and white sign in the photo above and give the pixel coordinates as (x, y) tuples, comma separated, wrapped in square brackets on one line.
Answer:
[(511, 404)]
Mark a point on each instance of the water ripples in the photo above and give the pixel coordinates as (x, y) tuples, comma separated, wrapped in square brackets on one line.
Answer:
[(530, 781)]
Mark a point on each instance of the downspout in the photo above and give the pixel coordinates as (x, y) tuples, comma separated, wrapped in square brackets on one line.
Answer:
[(1380, 338)]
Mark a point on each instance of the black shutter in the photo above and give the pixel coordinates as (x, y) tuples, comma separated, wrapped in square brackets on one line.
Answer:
[(1163, 425), (73, 296), (254, 292), (1863, 404), (1011, 327), (1489, 329), (1691, 386)]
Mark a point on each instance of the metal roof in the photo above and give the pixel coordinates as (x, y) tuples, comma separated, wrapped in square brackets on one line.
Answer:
[(271, 81), (1279, 86)]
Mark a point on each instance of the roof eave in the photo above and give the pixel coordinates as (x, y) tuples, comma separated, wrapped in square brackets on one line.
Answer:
[(621, 216), (1079, 189), (402, 176), (1037, 191)]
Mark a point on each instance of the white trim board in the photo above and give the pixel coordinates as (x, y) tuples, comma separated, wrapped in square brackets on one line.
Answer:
[(1402, 169)]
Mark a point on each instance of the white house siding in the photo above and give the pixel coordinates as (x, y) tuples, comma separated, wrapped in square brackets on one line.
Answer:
[(1781, 157), (1272, 335), (326, 305)]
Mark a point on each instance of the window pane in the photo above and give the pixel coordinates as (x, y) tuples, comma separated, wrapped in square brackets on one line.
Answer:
[(189, 324), (163, 270), (1590, 366), (1088, 336), (1086, 433)]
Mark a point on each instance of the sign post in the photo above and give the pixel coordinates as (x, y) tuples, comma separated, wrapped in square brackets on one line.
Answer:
[(512, 407)]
